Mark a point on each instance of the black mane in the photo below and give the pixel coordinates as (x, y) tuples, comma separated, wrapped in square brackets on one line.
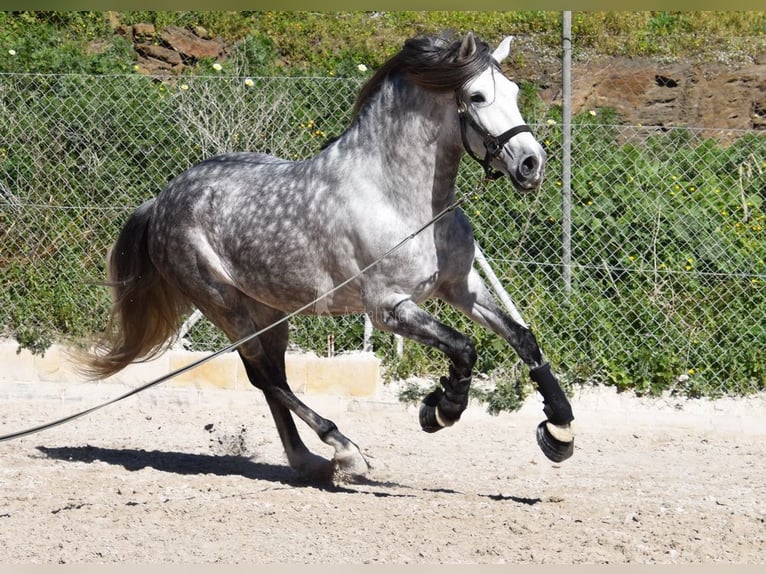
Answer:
[(432, 63)]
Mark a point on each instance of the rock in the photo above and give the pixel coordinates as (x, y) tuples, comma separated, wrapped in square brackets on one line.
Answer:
[(191, 45), (678, 94), (180, 47), (167, 55), (156, 68), (143, 30)]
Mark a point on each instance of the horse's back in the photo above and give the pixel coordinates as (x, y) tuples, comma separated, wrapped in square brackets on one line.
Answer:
[(241, 158), (254, 222), (232, 181)]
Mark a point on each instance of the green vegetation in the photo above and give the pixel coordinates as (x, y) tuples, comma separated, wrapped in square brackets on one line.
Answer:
[(668, 228), (318, 43)]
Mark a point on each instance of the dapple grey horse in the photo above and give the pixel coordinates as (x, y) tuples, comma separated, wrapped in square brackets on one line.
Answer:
[(249, 238)]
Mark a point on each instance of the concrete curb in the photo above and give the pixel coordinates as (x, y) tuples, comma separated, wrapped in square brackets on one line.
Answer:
[(354, 375)]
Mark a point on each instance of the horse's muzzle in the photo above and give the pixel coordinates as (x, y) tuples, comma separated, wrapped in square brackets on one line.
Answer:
[(528, 171)]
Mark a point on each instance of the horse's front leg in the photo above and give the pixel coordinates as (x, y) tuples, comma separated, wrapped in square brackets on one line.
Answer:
[(443, 406), (554, 435)]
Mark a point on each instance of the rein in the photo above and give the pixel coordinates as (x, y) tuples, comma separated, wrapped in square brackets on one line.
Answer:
[(451, 207), (493, 145)]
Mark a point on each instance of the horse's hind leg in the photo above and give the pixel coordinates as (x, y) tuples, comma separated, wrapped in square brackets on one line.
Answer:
[(265, 366), (299, 457), (264, 361)]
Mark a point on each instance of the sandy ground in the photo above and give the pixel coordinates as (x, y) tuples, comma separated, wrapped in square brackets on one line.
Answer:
[(188, 476)]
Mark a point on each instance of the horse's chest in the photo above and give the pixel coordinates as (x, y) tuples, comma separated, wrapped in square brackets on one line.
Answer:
[(429, 264)]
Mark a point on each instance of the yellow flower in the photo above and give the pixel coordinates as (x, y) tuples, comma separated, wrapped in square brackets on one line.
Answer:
[(184, 86), (592, 112), (551, 122), (249, 82), (361, 68), (217, 67)]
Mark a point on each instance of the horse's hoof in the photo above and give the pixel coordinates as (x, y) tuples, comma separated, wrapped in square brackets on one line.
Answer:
[(350, 471), (429, 419), (556, 449)]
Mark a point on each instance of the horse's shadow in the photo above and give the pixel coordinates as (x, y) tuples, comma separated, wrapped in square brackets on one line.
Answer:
[(233, 465), (171, 461), (189, 464)]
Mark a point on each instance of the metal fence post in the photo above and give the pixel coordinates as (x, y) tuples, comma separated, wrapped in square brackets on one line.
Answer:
[(566, 147)]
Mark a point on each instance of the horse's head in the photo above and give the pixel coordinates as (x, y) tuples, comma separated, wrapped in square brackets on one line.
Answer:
[(492, 129)]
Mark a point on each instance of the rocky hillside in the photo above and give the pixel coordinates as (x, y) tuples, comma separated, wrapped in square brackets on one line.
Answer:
[(652, 94), (644, 92)]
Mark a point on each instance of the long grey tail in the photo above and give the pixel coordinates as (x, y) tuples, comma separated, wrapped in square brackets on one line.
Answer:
[(146, 309)]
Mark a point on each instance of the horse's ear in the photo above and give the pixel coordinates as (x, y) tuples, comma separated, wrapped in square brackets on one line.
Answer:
[(503, 49), (468, 47)]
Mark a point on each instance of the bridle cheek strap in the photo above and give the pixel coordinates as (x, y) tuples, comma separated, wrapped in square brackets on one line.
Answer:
[(493, 145)]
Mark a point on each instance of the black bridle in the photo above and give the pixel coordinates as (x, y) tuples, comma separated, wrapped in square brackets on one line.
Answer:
[(493, 145)]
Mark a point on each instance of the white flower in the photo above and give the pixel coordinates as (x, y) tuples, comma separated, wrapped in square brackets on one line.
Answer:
[(361, 68), (249, 82), (184, 86), (12, 52), (217, 67), (592, 112), (551, 122)]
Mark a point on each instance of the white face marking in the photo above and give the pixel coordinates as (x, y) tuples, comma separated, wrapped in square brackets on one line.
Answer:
[(492, 102), (492, 99)]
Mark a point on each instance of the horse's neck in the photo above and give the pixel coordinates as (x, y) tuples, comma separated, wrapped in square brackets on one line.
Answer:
[(414, 144)]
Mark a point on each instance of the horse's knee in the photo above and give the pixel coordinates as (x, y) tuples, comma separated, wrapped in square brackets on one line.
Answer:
[(462, 353), (527, 347)]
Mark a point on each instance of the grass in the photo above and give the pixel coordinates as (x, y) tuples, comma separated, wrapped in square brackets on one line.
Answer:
[(332, 43)]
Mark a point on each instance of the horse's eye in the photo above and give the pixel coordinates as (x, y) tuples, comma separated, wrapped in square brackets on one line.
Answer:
[(478, 98)]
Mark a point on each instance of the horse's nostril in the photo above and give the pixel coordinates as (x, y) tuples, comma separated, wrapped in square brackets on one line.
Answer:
[(528, 167)]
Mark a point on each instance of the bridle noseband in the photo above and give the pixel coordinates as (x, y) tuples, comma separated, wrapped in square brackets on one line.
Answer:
[(493, 145)]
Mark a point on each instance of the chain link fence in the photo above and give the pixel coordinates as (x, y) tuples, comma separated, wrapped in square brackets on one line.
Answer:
[(665, 289)]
